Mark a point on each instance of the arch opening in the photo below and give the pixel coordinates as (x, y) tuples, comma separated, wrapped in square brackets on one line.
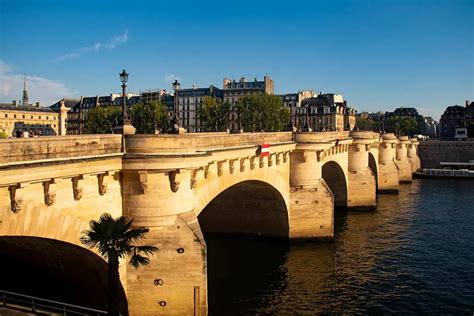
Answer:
[(248, 208), (334, 176), (230, 223), (373, 167), (55, 270)]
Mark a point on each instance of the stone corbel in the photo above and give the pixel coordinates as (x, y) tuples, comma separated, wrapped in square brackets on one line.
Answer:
[(286, 156), (207, 170), (194, 175), (243, 164), (77, 188), (278, 158), (270, 159), (102, 180), (174, 178), (305, 154), (253, 162), (261, 161), (367, 147), (49, 190), (143, 178), (320, 155), (220, 167), (232, 163), (393, 145), (17, 197)]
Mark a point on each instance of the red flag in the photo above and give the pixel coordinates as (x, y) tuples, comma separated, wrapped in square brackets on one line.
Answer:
[(264, 150)]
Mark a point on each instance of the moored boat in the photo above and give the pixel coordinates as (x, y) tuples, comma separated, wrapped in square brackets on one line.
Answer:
[(445, 173)]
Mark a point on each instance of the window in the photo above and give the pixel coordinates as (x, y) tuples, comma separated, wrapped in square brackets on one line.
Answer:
[(39, 117), (14, 115), (47, 117), (31, 117), (23, 116), (6, 115)]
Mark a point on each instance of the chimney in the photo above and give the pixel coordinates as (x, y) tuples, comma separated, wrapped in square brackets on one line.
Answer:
[(14, 102), (467, 103), (37, 104)]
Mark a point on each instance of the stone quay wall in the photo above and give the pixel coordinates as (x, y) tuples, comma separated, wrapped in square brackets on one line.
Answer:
[(433, 152)]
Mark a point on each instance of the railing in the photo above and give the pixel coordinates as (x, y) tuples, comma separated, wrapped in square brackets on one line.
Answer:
[(35, 304)]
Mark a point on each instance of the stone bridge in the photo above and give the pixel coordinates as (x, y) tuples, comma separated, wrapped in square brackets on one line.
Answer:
[(184, 186)]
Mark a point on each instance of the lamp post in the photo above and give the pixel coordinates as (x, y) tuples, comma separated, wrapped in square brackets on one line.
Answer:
[(126, 126), (124, 78), (175, 122)]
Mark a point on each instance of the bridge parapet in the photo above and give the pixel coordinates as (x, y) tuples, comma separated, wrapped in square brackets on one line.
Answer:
[(17, 150), (189, 143)]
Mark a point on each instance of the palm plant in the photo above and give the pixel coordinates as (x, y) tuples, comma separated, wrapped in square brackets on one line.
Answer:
[(115, 239)]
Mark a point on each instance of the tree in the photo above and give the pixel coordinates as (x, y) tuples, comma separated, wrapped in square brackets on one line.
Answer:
[(214, 115), (148, 117), (262, 112), (102, 120), (400, 125), (366, 124), (114, 239)]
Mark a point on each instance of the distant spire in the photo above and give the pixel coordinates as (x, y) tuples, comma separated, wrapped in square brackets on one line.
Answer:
[(25, 93)]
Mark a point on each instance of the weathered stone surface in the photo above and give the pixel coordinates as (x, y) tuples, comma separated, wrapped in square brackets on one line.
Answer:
[(52, 187)]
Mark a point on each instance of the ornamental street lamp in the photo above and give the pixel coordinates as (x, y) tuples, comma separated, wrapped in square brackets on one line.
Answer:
[(126, 126), (175, 120), (124, 78)]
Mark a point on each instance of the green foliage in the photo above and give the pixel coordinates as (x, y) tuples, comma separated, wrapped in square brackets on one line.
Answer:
[(115, 239), (401, 125), (214, 115), (262, 112), (147, 117), (102, 120), (366, 124), (3, 135)]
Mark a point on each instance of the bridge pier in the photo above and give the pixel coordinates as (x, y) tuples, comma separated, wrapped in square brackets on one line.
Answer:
[(413, 155), (361, 180), (161, 200), (402, 161), (388, 170), (311, 211)]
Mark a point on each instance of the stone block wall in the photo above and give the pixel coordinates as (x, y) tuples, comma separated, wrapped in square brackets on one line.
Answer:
[(433, 152), (27, 149)]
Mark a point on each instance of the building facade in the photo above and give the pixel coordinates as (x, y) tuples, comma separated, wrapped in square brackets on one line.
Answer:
[(189, 101), (21, 119), (457, 120), (293, 102), (325, 112), (78, 113), (16, 119), (235, 90)]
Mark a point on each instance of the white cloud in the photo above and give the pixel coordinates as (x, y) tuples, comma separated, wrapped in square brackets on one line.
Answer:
[(169, 78), (46, 91), (114, 42)]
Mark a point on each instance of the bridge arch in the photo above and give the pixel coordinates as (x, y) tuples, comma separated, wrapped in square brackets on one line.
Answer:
[(250, 207), (333, 175), (55, 270), (373, 166)]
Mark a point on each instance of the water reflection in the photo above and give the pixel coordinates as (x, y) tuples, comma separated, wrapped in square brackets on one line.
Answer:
[(413, 254)]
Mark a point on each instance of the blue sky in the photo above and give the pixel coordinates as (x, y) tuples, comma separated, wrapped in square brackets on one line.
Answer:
[(378, 54)]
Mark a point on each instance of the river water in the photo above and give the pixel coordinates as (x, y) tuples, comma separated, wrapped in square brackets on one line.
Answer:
[(414, 254)]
